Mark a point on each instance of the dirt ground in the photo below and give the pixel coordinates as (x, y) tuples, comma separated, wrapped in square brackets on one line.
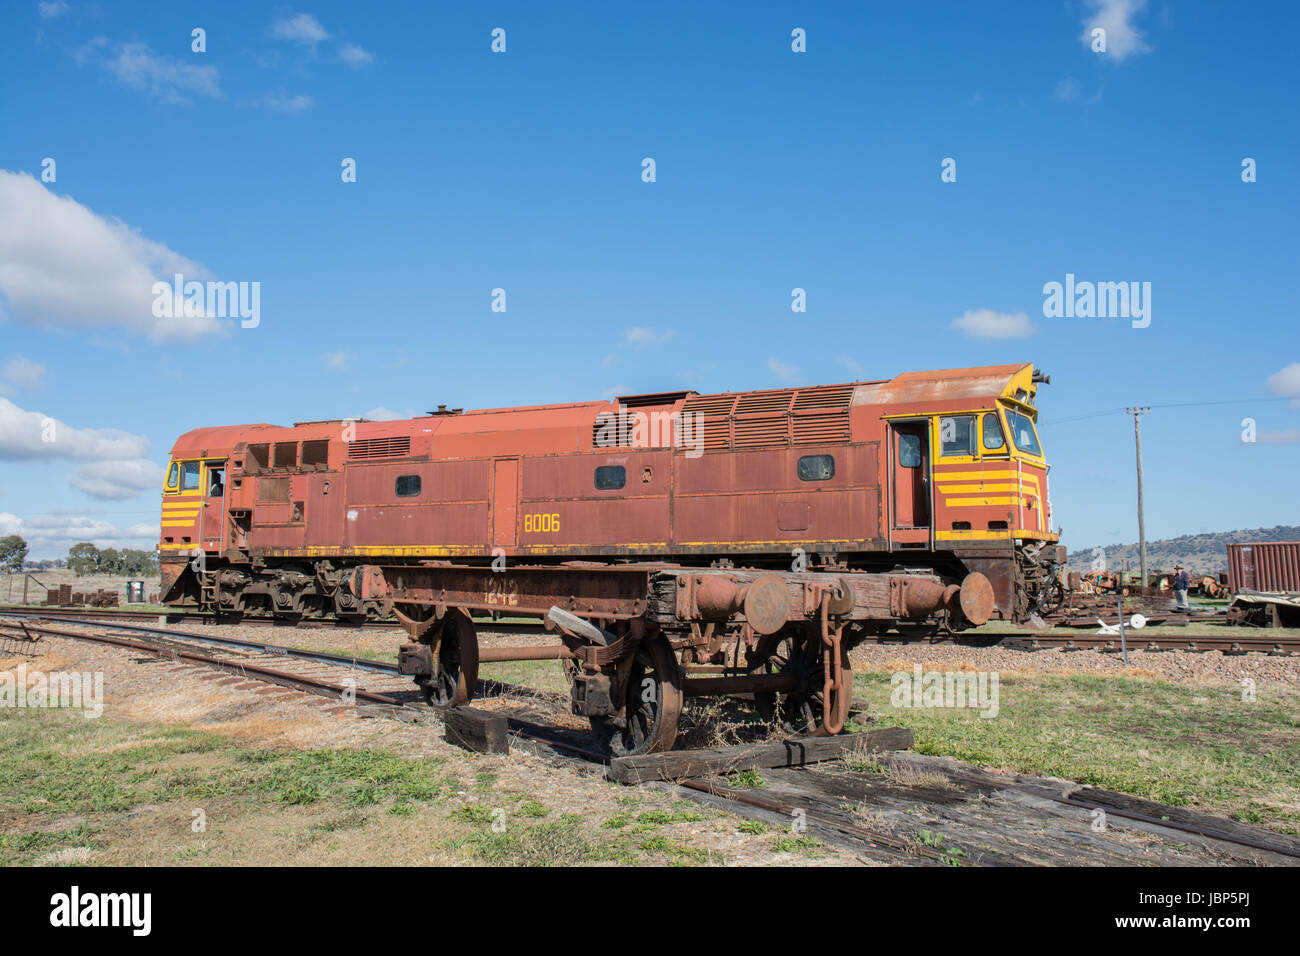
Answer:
[(327, 785), (466, 808)]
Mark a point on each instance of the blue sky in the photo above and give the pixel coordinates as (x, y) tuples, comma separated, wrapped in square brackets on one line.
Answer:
[(522, 170)]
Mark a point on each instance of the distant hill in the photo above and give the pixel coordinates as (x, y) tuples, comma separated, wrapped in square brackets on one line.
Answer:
[(1199, 553)]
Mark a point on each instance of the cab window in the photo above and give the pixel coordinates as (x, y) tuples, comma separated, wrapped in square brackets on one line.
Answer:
[(993, 438), (1022, 433), (173, 475), (909, 451), (957, 435), (190, 476)]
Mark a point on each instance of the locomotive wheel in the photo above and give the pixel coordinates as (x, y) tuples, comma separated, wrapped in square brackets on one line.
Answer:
[(1052, 599), (653, 695), (457, 677), (351, 613), (801, 711)]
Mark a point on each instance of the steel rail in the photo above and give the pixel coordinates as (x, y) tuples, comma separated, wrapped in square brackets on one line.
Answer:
[(173, 652)]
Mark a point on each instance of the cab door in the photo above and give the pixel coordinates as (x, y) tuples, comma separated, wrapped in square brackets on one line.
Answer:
[(910, 482), (213, 515)]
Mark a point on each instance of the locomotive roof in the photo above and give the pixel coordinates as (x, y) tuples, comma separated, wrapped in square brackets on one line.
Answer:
[(918, 391)]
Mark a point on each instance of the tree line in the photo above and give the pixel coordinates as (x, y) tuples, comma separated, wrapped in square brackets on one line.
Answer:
[(83, 558)]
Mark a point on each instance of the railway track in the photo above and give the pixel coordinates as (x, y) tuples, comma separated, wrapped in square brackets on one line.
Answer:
[(1230, 641), (821, 799), (1227, 640)]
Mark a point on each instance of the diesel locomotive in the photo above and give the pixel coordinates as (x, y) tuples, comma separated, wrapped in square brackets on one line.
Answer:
[(679, 544)]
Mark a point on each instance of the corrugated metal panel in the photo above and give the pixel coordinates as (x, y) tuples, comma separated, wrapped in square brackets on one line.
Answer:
[(1264, 566)]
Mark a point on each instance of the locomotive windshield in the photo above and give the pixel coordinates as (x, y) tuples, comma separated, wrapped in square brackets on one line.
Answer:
[(1022, 431)]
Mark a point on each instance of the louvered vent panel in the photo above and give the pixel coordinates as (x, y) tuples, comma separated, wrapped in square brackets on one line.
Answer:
[(605, 433), (710, 405), (367, 448), (815, 429), (806, 416), (762, 432), (831, 396), (772, 402), (717, 434)]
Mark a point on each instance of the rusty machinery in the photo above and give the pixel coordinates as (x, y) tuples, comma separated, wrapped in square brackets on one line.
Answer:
[(638, 639)]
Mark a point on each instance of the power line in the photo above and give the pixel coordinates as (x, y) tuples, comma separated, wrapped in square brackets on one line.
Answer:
[(1119, 411)]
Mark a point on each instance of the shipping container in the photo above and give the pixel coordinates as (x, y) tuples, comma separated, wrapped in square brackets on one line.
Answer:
[(1264, 566)]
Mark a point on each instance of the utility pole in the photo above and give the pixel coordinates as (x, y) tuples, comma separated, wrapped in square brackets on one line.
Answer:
[(1137, 412)]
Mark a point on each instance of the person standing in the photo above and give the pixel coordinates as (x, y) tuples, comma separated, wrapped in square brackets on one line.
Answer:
[(1182, 581)]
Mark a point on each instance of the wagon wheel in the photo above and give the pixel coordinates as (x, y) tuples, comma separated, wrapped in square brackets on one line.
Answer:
[(653, 695), (799, 651), (457, 677)]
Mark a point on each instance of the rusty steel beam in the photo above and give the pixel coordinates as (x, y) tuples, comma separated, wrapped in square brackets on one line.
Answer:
[(546, 652), (596, 591)]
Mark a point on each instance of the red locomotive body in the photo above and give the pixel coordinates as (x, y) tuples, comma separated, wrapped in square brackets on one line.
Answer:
[(936, 474)]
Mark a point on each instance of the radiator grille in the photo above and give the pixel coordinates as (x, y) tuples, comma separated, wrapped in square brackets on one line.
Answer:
[(367, 448)]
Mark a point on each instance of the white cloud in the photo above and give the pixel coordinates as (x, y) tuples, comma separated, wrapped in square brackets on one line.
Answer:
[(1123, 39), (852, 364), (642, 336), (354, 56), (783, 372), (382, 414), (169, 79), (1067, 89), (1286, 382), (30, 436), (1288, 437), (335, 360), (301, 28), (50, 535), (987, 324), (283, 103), (50, 10), (117, 480), (60, 264), (22, 372)]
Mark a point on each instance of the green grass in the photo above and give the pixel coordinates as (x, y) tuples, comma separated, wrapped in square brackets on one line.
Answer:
[(746, 780), (561, 842), (539, 675), (951, 854), (1186, 746), (532, 808), (805, 845), (81, 780), (57, 764)]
